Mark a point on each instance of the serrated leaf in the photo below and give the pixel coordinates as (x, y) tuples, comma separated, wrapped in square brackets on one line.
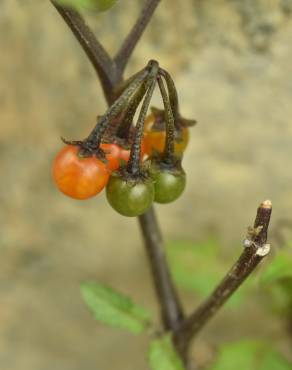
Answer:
[(249, 355), (95, 5), (162, 355), (114, 309), (198, 268), (279, 268)]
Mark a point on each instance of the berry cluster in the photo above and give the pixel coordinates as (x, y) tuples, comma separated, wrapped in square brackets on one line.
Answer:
[(138, 164)]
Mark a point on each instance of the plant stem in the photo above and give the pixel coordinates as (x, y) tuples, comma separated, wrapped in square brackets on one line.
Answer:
[(244, 266), (96, 134), (99, 58), (124, 131), (110, 74), (123, 55), (110, 71), (172, 94), (168, 153), (171, 310), (133, 166)]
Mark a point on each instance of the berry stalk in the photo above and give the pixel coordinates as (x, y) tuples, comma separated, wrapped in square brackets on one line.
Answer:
[(173, 96), (168, 153), (96, 135), (125, 127), (133, 166)]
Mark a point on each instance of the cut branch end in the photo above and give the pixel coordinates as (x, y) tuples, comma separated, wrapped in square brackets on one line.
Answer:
[(266, 204)]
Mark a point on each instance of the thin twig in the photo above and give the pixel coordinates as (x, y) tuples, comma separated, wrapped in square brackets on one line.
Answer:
[(99, 58), (254, 251), (123, 55), (116, 108), (133, 166), (171, 310), (168, 153)]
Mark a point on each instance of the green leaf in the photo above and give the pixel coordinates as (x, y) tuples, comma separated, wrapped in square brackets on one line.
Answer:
[(274, 361), (198, 268), (162, 355), (232, 355), (249, 355), (276, 283), (114, 309), (95, 5), (278, 269), (278, 297)]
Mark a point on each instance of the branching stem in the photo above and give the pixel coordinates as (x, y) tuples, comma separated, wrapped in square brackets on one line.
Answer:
[(251, 256), (116, 108), (96, 53), (122, 57), (110, 72)]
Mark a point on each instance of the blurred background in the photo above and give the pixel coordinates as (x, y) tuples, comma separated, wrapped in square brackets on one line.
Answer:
[(231, 61)]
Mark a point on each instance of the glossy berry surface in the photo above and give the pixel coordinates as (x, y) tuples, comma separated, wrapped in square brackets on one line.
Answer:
[(154, 139), (128, 198), (116, 155), (77, 177), (168, 185)]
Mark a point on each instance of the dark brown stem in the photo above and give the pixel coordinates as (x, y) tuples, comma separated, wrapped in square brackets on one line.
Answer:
[(254, 251), (96, 134), (171, 310), (110, 74), (125, 128), (99, 58), (122, 57), (133, 166), (169, 119), (173, 97)]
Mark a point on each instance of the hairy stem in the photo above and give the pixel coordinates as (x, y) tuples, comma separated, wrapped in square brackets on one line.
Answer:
[(251, 256), (116, 108), (133, 166), (125, 128), (172, 94), (169, 119)]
